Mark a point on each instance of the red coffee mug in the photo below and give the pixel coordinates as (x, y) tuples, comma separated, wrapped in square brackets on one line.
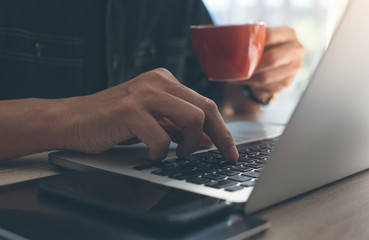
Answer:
[(228, 52)]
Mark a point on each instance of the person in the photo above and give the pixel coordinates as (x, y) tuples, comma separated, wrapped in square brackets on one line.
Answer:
[(86, 76)]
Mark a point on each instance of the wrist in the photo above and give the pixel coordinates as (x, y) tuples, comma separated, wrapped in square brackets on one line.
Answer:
[(31, 125), (68, 116), (54, 124), (261, 97)]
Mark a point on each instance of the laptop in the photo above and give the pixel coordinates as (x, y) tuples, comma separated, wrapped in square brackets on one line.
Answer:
[(326, 139)]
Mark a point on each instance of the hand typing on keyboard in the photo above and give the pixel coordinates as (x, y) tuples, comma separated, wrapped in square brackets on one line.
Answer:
[(146, 107), (150, 107)]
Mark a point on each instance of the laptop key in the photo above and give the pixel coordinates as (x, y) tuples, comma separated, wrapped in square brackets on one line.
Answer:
[(251, 174), (192, 158), (241, 168), (254, 165), (183, 173), (160, 172), (222, 165), (259, 169), (261, 157), (193, 173), (198, 180), (182, 162), (221, 184), (228, 172), (264, 154), (248, 183), (244, 151), (239, 178), (207, 155), (198, 164), (172, 170), (208, 169), (211, 160), (234, 188), (178, 176), (262, 161), (246, 159), (213, 176), (143, 166)]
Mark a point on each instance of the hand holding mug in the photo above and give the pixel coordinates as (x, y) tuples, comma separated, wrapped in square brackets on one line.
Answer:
[(281, 60), (264, 59)]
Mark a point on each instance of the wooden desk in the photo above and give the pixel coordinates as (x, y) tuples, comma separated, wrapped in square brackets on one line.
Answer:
[(337, 211), (26, 168)]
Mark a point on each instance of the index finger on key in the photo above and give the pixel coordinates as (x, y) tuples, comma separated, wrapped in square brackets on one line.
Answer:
[(214, 125)]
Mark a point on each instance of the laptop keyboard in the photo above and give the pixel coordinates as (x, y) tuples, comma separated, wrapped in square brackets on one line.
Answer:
[(210, 168)]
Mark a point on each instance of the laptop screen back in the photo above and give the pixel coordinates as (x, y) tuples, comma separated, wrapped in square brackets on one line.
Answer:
[(327, 137)]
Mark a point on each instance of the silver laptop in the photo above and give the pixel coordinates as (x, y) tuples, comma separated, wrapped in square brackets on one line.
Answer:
[(326, 139)]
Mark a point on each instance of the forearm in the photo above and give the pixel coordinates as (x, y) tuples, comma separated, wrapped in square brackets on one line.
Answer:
[(30, 126)]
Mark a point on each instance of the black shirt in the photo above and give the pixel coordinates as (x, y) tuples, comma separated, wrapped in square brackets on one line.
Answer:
[(52, 48), (62, 48)]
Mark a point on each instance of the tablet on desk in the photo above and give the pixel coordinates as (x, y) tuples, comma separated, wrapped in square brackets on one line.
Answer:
[(148, 207)]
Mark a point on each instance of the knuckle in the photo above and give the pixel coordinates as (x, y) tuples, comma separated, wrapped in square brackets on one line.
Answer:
[(162, 71), (196, 118), (270, 58), (130, 107), (142, 93), (209, 105), (143, 76), (263, 78), (162, 74), (153, 76), (147, 91)]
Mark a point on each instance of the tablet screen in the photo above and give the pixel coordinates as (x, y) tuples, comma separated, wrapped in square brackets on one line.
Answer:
[(109, 193)]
